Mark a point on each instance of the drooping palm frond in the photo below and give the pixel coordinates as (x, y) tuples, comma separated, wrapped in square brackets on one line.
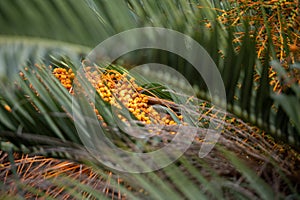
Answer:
[(58, 20), (103, 21), (237, 137)]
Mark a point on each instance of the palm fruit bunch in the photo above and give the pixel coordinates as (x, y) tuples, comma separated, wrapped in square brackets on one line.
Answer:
[(281, 19), (65, 76), (114, 88)]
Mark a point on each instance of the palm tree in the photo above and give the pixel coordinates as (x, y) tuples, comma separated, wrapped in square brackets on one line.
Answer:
[(42, 154)]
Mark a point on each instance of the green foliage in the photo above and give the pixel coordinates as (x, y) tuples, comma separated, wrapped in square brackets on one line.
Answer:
[(62, 32)]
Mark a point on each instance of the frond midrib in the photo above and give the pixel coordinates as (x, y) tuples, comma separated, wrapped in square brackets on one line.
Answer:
[(45, 42)]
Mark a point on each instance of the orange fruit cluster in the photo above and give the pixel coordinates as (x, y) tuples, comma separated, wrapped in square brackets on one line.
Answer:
[(116, 88), (66, 77)]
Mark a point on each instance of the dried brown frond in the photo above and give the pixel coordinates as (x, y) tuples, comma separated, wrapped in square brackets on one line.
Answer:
[(38, 177)]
